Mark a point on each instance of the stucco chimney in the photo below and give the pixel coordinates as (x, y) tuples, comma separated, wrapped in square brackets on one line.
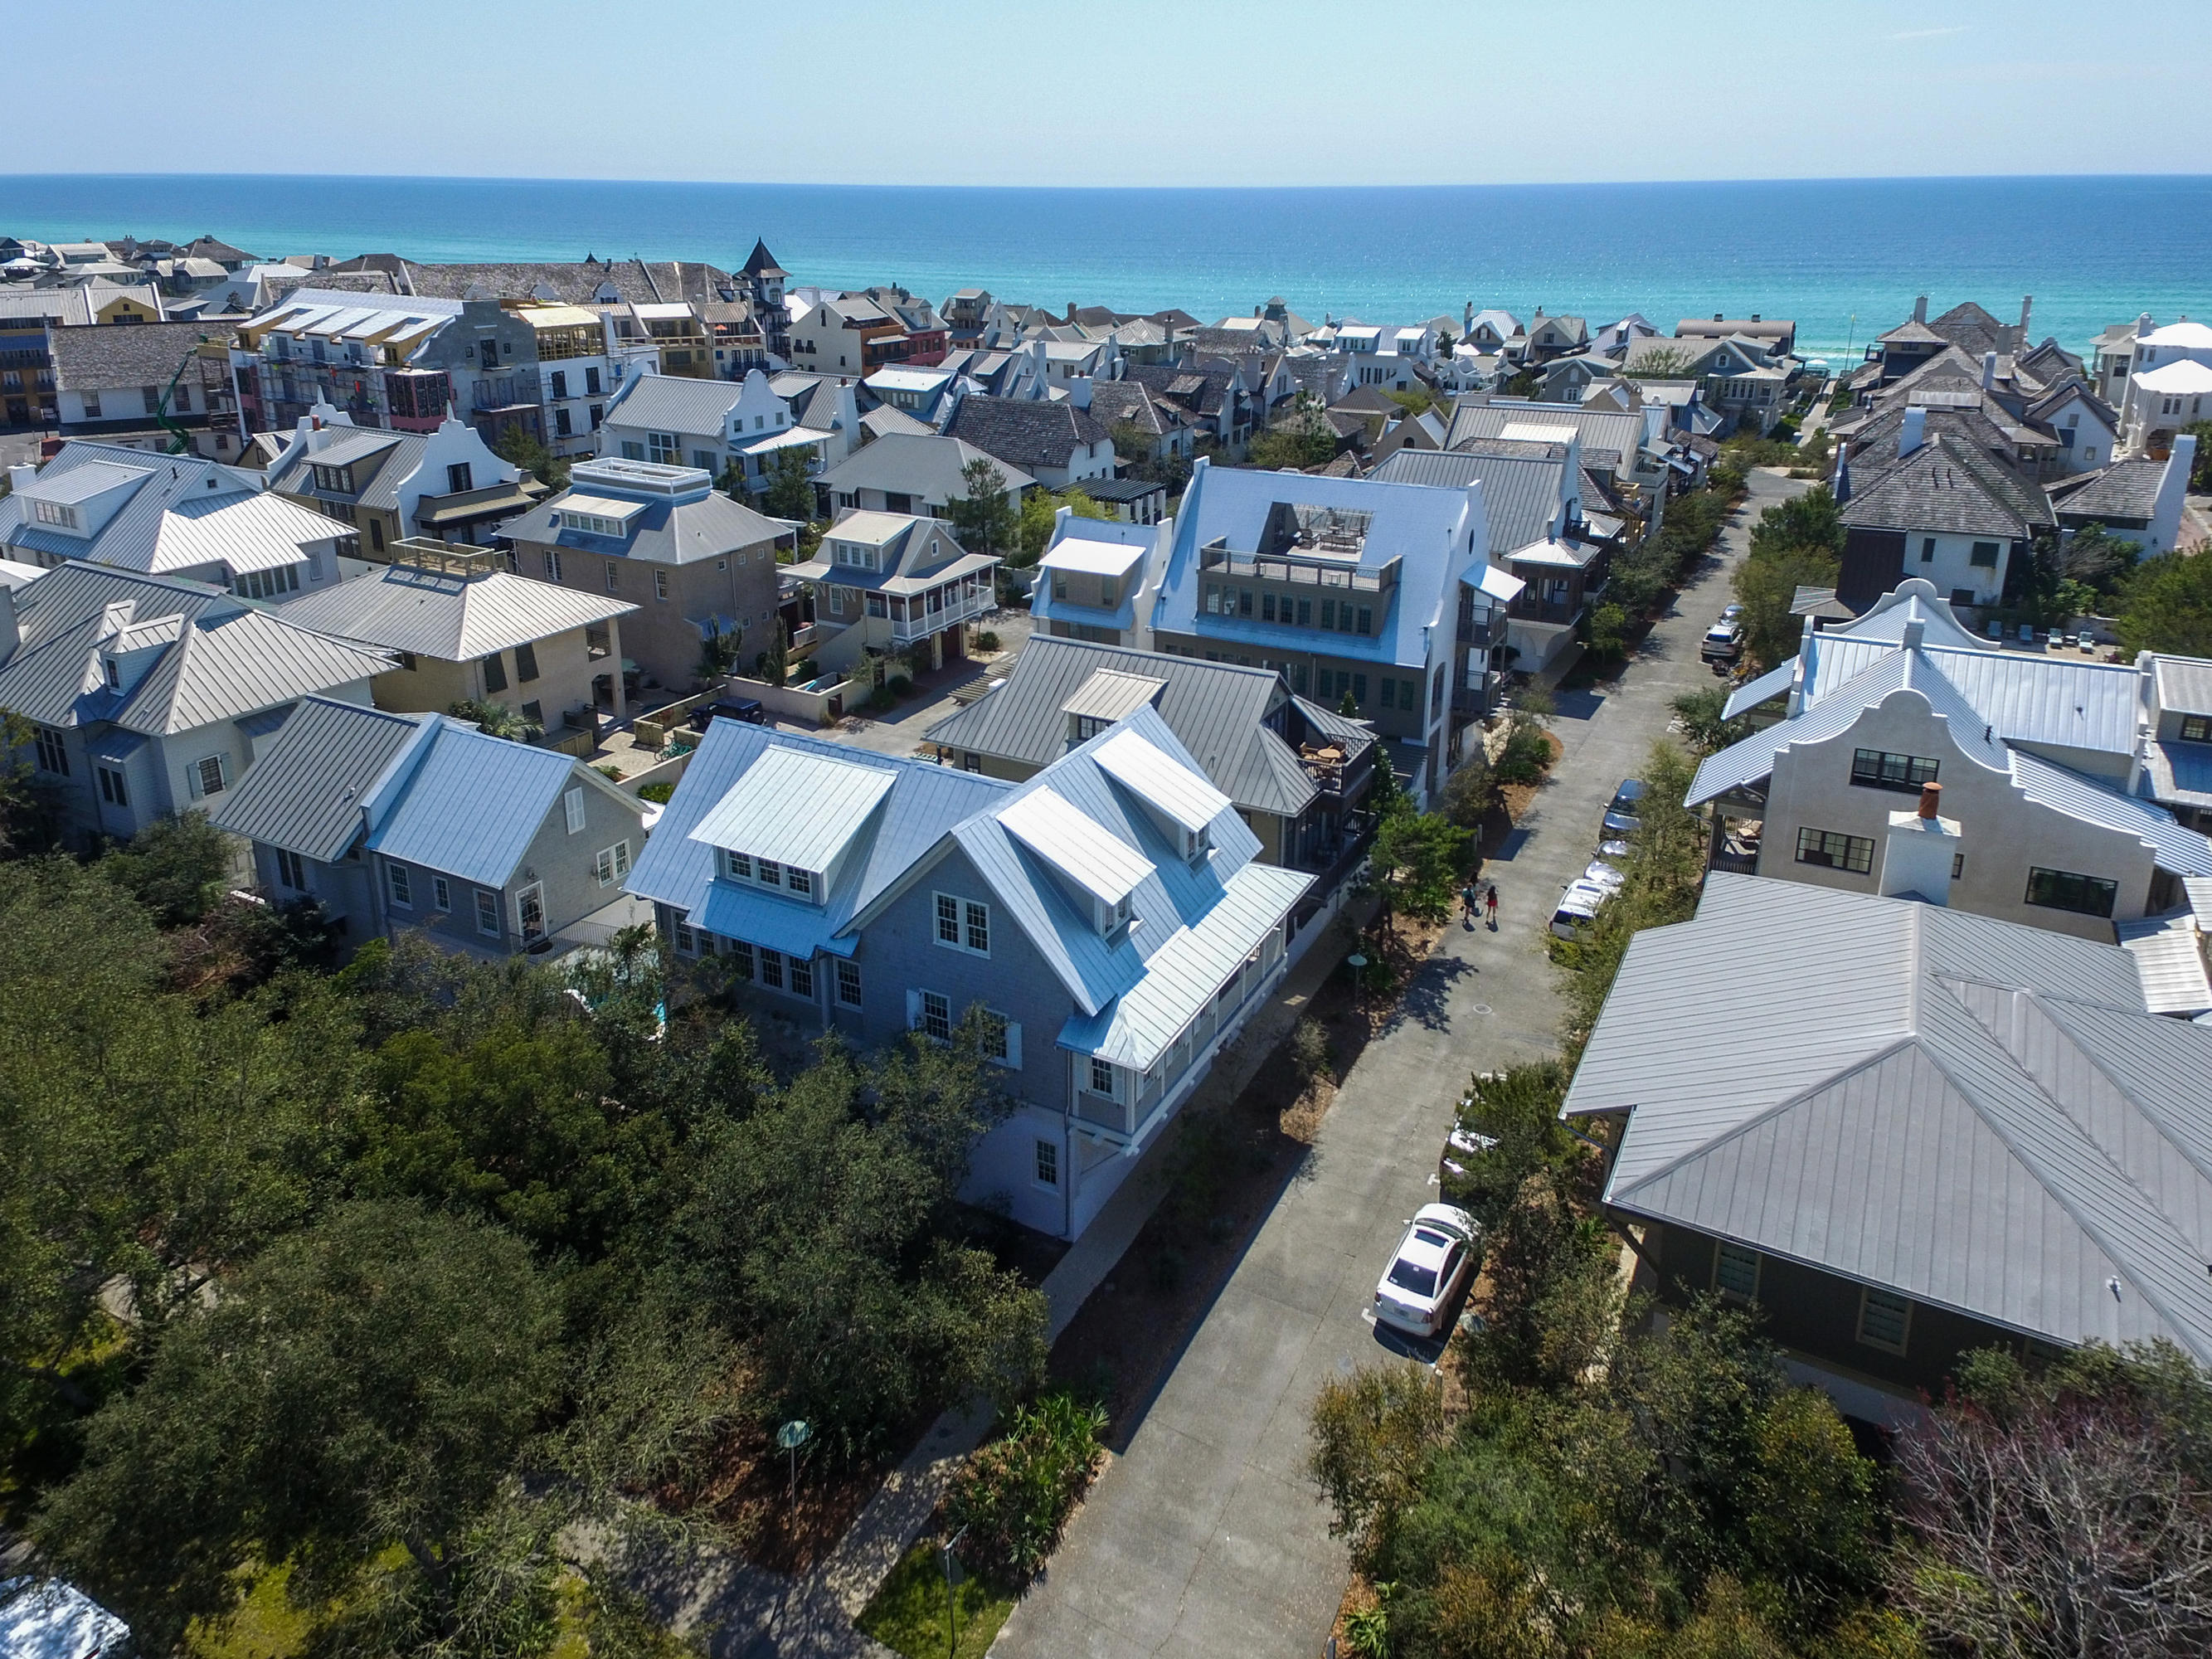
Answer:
[(23, 476), (1989, 371), (1912, 432), (2026, 309), (1914, 634), (2143, 325), (1467, 322), (1921, 847), (1841, 489), (1920, 309)]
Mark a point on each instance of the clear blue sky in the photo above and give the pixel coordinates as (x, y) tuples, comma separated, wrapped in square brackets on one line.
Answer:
[(1139, 92)]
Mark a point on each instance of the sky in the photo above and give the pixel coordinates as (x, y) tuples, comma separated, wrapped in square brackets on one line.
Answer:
[(1143, 92)]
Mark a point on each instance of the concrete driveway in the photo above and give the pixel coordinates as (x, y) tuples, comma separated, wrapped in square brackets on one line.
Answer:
[(1206, 1537)]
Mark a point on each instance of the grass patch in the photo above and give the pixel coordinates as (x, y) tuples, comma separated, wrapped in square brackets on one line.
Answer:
[(266, 1626), (907, 1613)]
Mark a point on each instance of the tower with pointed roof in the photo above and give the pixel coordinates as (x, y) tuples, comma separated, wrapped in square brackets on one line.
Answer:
[(763, 284)]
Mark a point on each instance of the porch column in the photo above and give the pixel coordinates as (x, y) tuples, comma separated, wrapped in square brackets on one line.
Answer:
[(614, 654)]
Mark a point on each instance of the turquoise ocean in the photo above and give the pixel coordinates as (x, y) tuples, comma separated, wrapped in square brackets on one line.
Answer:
[(1843, 257)]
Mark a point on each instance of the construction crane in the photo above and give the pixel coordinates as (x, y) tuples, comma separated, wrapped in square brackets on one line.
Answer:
[(179, 441)]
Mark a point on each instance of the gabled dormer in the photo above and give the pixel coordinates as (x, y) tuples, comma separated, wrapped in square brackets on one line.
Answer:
[(1182, 805), (126, 655), (1096, 871), (791, 824), (1104, 698), (79, 502)]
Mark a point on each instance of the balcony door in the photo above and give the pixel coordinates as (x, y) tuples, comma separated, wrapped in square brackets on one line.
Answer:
[(530, 912)]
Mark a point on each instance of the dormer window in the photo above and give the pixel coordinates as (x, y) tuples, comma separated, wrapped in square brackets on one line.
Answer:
[(768, 874), (62, 517), (114, 676), (338, 480), (738, 865)]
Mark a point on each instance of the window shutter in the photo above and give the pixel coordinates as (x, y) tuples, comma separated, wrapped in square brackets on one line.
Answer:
[(1013, 1046), (913, 1011), (571, 802)]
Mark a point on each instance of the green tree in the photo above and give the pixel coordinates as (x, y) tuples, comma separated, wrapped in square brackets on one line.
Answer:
[(1796, 543), (1040, 511), (1416, 864), (366, 1384), (982, 519), (2166, 604), (818, 1234), (1606, 631), (774, 664), (2200, 470), (1416, 400), (177, 867), (1699, 715), (1301, 438), (520, 447), (788, 483), (1666, 362)]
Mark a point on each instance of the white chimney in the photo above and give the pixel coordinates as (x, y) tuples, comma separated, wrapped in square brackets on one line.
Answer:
[(1989, 371), (1915, 634), (1921, 849), (1920, 309), (1079, 391), (2027, 308), (1912, 432), (23, 476), (2143, 325)]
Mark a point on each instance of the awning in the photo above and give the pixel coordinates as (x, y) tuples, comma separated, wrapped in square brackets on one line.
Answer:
[(1501, 585), (514, 500), (2169, 961), (780, 924), (1752, 693)]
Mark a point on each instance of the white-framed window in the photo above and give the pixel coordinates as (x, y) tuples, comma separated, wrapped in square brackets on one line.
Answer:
[(686, 943), (1047, 1163), (963, 923), (572, 804), (289, 870), (660, 584), (612, 863), (53, 751), (849, 983), (399, 886), (486, 913), (768, 872), (112, 789), (802, 975), (208, 774), (1099, 1079), (801, 881), (1885, 1319), (1002, 1039), (442, 892), (771, 968), (1736, 1271), (738, 865), (552, 565), (937, 1016)]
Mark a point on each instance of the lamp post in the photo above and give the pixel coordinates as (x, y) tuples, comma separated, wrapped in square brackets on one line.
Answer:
[(790, 1437), (1357, 964), (953, 1576)]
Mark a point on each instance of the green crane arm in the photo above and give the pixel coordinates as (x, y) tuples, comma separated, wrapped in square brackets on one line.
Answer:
[(179, 439)]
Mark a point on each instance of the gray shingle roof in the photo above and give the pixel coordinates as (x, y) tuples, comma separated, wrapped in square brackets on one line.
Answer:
[(1027, 434), (664, 532), (1520, 494), (1216, 710), (138, 355), (305, 789), (452, 618), (1948, 487), (2124, 490), (1978, 1114)]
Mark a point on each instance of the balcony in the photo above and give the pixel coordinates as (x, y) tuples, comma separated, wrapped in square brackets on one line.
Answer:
[(1335, 772), (1306, 573), (913, 620)]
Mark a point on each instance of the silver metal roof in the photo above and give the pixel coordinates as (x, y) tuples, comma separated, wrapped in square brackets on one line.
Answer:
[(675, 403), (2184, 852), (1084, 852), (1159, 781), (1978, 1114), (795, 807), (2170, 961), (305, 789), (1774, 682), (451, 618), (2183, 685), (1109, 694)]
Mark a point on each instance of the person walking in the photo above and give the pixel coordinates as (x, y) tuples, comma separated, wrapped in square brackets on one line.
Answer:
[(1489, 904), (1467, 906)]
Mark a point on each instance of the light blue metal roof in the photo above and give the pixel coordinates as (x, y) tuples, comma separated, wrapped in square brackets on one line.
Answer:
[(2024, 697), (926, 800), (795, 807), (1436, 534), (2184, 852), (1180, 790), (1752, 693), (473, 804)]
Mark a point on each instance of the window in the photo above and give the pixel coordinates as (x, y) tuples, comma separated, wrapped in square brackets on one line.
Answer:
[(110, 786), (592, 388), (1957, 865), (495, 674), (1836, 851), (1047, 1163), (54, 513), (1984, 555), (877, 606), (614, 576), (704, 460), (1926, 550), (948, 920), (739, 864), (771, 968), (1366, 620), (486, 913), (1359, 688), (209, 773), (268, 584), (936, 1016), (979, 928), (1389, 694), (552, 565), (849, 983), (1885, 1319), (2057, 890), (633, 451), (402, 890), (563, 423), (801, 881), (612, 863), (2197, 728), (376, 535), (560, 383), (598, 410), (661, 446), (685, 941), (459, 476), (92, 406), (660, 584), (1879, 768), (740, 954), (572, 804), (1102, 1077), (289, 873), (53, 754), (1736, 1271), (768, 873), (802, 975)]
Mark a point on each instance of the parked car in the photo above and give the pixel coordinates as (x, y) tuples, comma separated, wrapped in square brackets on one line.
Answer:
[(1612, 848), (1599, 874), (1724, 643), (1433, 1263), (1731, 612), (747, 709), (1578, 907), (1621, 817)]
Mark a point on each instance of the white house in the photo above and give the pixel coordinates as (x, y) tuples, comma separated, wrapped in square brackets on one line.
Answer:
[(675, 421)]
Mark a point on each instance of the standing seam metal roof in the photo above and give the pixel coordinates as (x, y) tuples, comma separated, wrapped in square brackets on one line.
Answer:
[(305, 789)]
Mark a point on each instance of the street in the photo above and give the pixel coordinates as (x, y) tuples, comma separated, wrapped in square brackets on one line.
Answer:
[(1206, 1537)]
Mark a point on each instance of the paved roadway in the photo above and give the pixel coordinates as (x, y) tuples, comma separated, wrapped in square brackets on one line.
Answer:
[(1206, 1538)]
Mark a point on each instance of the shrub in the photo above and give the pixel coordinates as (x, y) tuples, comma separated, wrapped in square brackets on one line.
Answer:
[(1309, 1050), (883, 697), (657, 793), (986, 640), (611, 773), (900, 686), (1012, 1499), (1525, 756)]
